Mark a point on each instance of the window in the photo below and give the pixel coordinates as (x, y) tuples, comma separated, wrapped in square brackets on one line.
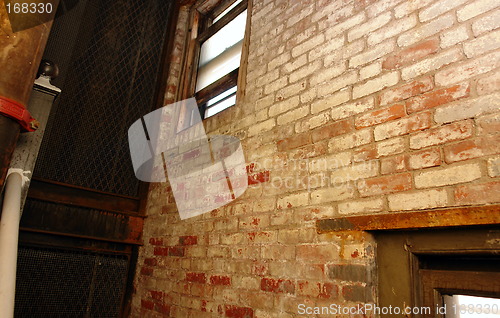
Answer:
[(218, 51), (446, 273), (463, 306)]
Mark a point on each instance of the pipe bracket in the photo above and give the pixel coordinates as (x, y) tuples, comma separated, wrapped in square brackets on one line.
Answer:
[(19, 113)]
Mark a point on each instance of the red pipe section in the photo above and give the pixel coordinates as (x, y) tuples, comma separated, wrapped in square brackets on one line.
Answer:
[(19, 113)]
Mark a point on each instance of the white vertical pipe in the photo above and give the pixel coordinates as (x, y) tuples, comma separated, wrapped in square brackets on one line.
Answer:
[(9, 236)]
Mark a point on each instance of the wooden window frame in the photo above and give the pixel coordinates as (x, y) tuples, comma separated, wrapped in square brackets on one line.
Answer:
[(201, 30), (416, 268)]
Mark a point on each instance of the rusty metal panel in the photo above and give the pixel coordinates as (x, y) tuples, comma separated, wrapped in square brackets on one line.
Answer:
[(59, 193), (48, 217), (481, 215)]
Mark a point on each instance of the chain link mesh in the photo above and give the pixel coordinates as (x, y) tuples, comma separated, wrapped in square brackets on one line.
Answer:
[(57, 283), (109, 83)]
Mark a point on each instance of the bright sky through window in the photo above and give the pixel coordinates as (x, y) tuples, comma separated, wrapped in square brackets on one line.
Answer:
[(221, 53), (221, 102), (226, 11)]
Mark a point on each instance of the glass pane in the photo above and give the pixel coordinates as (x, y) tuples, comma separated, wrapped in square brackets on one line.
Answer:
[(219, 105), (463, 306), (221, 53), (226, 11), (222, 96)]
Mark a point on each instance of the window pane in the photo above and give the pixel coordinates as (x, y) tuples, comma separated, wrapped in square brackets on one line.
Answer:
[(220, 107), (226, 11), (221, 53), (462, 306), (221, 102)]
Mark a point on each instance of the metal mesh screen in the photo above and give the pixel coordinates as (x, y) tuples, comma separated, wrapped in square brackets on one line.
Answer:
[(109, 83), (57, 283)]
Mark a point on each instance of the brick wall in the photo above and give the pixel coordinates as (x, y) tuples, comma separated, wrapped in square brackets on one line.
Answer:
[(351, 107)]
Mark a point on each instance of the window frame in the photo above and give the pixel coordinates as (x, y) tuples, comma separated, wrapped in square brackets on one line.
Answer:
[(407, 271), (201, 30)]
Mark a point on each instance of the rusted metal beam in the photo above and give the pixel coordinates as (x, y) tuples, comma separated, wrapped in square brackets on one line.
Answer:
[(51, 191), (479, 215), (57, 219)]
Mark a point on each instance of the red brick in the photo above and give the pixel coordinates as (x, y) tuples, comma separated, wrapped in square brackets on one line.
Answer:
[(196, 277), (446, 133), (156, 295), (146, 304), (181, 287), (312, 271), (406, 91), (327, 290), (317, 253), (259, 177), (147, 271), (365, 153), (393, 165), (418, 122), (188, 240), (176, 251), (380, 115), (403, 126), (261, 237), (386, 184), (163, 308), (156, 241), (150, 261), (478, 193), (220, 280), (425, 159), (310, 151), (437, 98), (332, 130), (295, 141), (250, 168), (203, 306), (470, 149), (357, 293), (161, 251), (319, 290), (238, 312), (277, 285), (411, 54), (260, 268)]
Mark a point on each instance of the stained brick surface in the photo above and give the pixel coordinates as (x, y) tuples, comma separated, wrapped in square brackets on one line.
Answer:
[(349, 108)]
